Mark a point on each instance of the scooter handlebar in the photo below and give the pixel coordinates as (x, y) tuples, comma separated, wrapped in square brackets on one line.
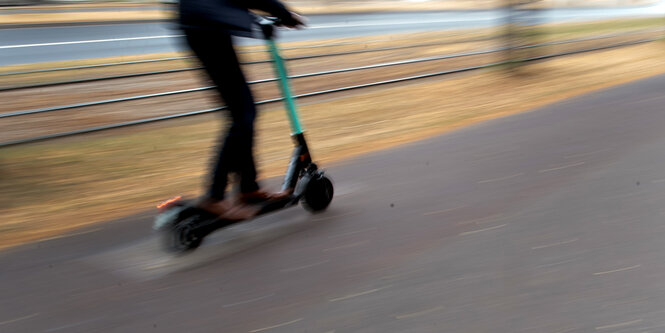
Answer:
[(267, 25)]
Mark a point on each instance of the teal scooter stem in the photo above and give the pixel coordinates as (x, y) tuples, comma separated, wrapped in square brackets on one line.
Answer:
[(301, 165), (289, 103)]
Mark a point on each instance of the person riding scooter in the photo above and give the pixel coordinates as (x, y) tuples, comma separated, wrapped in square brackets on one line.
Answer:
[(208, 26)]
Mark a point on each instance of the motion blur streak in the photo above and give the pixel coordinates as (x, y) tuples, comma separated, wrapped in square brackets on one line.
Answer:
[(526, 196)]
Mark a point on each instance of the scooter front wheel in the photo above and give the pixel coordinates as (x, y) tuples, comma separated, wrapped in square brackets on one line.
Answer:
[(318, 194)]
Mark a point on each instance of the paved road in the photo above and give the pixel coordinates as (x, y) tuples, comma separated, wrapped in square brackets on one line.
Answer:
[(32, 45), (57, 10), (549, 221), (49, 10)]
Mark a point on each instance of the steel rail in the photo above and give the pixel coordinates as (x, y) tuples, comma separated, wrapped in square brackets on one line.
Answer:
[(131, 98), (254, 51), (387, 64), (356, 43), (126, 76), (334, 54), (49, 84), (45, 70), (183, 91), (422, 76), (121, 63), (57, 69)]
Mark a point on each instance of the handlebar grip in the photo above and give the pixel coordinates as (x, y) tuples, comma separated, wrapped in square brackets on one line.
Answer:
[(267, 25)]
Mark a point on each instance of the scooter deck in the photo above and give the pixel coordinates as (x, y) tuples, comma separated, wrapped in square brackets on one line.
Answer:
[(204, 222)]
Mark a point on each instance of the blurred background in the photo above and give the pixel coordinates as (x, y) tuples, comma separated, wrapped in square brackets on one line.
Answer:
[(105, 113)]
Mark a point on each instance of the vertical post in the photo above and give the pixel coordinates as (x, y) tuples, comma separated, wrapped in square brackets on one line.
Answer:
[(521, 32), (291, 108)]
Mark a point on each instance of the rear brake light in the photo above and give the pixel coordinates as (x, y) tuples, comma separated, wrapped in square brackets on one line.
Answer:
[(168, 203)]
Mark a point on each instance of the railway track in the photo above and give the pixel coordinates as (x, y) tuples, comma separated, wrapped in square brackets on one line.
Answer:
[(361, 45), (337, 74), (176, 64)]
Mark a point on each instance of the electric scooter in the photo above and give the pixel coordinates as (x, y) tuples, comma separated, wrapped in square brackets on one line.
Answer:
[(184, 226)]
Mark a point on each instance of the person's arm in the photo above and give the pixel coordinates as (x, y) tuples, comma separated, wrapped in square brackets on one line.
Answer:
[(276, 8)]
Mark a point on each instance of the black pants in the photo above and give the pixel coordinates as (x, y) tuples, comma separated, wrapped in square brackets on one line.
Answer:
[(214, 49)]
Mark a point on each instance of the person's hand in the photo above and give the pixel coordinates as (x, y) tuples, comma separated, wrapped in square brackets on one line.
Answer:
[(294, 21)]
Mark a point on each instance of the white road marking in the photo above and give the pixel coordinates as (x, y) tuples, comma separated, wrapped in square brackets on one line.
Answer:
[(437, 212), (556, 263), (248, 301), (539, 328), (562, 167), (420, 313), (500, 179), (71, 235), (658, 181), (59, 328), (157, 266), (330, 217), (619, 324), (586, 154), (87, 41), (352, 232), (565, 331), (651, 327), (293, 269), (488, 219), (343, 298), (481, 230), (555, 244), (348, 246), (624, 302), (618, 270), (328, 26), (276, 326), (18, 319), (346, 188)]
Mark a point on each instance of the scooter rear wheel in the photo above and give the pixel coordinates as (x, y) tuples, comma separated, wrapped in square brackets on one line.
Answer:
[(318, 194), (181, 236)]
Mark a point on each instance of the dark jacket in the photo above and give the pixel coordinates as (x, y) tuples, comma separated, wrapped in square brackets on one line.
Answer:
[(232, 16)]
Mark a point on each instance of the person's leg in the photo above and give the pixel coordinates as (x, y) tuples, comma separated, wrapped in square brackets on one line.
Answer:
[(216, 53)]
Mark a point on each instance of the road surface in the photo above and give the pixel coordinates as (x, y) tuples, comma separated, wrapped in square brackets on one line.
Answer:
[(548, 221), (42, 44)]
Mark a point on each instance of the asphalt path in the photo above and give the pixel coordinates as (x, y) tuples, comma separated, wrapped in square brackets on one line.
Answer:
[(56, 10), (547, 221), (57, 43)]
